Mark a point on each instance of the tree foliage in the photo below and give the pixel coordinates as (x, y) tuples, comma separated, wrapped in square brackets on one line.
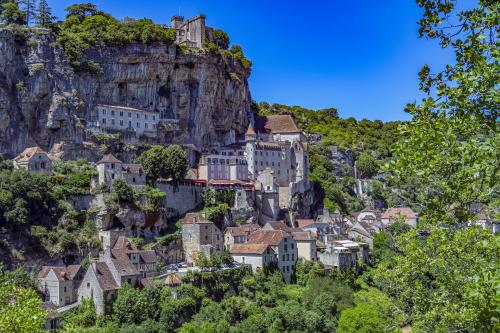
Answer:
[(167, 163)]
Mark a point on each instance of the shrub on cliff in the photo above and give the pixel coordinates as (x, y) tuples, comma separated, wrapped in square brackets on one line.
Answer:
[(86, 26), (221, 39)]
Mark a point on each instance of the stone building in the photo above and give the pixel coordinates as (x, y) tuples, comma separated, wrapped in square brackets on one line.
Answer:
[(239, 234), (59, 284), (99, 285), (34, 159), (405, 214), (256, 255), (110, 168), (191, 32), (306, 245), (267, 195), (227, 162), (283, 245), (122, 263), (200, 235), (124, 118)]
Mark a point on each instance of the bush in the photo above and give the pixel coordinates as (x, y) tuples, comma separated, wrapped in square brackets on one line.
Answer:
[(221, 39), (124, 192)]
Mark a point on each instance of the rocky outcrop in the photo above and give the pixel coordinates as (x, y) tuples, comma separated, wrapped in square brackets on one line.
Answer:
[(44, 102)]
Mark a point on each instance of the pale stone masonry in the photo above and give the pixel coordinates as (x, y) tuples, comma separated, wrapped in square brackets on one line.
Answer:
[(117, 117), (191, 32), (109, 168), (283, 245), (34, 159), (405, 214), (200, 235), (257, 256), (59, 284)]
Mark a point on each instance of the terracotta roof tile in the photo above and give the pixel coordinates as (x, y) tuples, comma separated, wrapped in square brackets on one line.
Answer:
[(242, 230), (394, 211), (104, 277), (28, 152), (250, 130), (278, 225), (62, 273), (195, 218), (248, 248), (133, 168), (302, 236), (269, 237), (275, 124), (109, 158), (304, 222)]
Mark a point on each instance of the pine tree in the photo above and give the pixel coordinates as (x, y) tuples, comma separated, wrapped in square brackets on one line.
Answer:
[(29, 8), (44, 15)]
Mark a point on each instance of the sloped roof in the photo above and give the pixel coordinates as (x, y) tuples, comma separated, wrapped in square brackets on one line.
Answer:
[(242, 230), (28, 153), (124, 243), (197, 218), (250, 130), (394, 211), (248, 248), (148, 256), (109, 158), (269, 237), (275, 124), (104, 277), (133, 168), (122, 263), (302, 236), (62, 273), (172, 280), (279, 225), (303, 222)]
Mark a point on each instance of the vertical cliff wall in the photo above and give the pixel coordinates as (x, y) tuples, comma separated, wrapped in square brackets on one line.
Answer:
[(44, 102)]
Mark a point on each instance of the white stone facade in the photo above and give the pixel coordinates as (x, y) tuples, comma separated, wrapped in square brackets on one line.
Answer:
[(122, 118)]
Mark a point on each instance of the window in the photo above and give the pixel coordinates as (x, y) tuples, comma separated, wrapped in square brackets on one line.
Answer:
[(112, 112), (112, 165), (154, 117), (121, 113), (293, 257), (138, 116), (88, 284), (283, 257), (272, 163), (112, 121), (261, 163), (146, 125), (291, 246), (286, 247), (130, 114), (104, 121), (103, 111), (64, 289), (146, 116), (138, 125), (287, 256), (279, 164), (129, 124), (133, 179)]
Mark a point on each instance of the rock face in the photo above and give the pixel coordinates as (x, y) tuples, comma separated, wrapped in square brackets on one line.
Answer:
[(44, 102)]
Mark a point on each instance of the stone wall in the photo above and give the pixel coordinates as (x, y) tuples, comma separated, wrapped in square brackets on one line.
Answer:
[(181, 198)]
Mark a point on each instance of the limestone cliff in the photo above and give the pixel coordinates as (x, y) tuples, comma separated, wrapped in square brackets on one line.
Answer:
[(44, 102)]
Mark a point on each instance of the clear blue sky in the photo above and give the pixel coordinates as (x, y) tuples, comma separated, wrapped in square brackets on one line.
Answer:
[(361, 57)]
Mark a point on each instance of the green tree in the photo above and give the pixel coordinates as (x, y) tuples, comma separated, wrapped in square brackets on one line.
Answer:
[(29, 8), (366, 165), (374, 312), (21, 309), (12, 14), (221, 39), (168, 163), (124, 192), (44, 15)]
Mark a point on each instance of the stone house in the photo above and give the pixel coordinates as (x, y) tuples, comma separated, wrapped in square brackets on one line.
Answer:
[(256, 255), (200, 235), (60, 284), (335, 256), (34, 159), (362, 231), (267, 195), (110, 168), (405, 214), (239, 234), (283, 245), (99, 285), (144, 261), (306, 245)]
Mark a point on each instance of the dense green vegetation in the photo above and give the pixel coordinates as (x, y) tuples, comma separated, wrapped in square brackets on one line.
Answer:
[(169, 163)]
